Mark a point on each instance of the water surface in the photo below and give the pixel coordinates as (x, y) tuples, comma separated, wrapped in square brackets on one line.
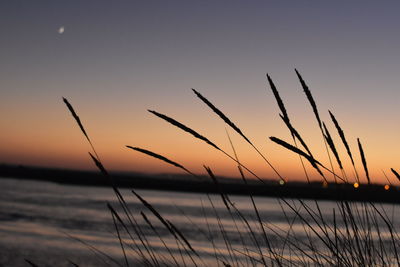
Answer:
[(54, 225)]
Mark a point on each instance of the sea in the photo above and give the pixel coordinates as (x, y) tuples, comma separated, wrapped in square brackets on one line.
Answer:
[(51, 224)]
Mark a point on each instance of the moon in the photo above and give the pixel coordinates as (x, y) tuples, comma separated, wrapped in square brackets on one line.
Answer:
[(61, 30)]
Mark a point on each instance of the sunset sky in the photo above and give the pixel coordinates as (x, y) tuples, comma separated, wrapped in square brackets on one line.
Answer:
[(116, 59)]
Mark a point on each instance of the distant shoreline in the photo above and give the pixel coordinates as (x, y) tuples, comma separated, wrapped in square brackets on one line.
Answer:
[(183, 183)]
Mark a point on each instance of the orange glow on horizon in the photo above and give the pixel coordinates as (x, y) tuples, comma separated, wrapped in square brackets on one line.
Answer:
[(53, 139), (386, 187), (112, 75)]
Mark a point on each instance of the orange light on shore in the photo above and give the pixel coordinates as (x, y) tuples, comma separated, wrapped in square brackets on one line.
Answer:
[(387, 187), (356, 185)]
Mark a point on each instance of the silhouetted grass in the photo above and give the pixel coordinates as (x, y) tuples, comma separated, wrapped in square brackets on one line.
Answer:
[(395, 173), (234, 127), (364, 161), (331, 144), (310, 98), (296, 150), (355, 234), (158, 156), (198, 136)]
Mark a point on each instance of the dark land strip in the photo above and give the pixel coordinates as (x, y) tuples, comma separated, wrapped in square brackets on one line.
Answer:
[(203, 184)]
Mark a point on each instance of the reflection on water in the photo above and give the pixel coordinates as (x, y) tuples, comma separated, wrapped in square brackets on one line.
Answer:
[(43, 221)]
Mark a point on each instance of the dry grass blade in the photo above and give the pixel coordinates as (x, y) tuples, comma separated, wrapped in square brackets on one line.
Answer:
[(295, 134), (221, 115), (184, 128), (310, 98), (342, 136), (157, 156), (113, 215), (147, 220), (395, 173), (112, 210), (159, 237), (233, 148), (278, 99), (211, 174), (240, 166), (101, 255), (294, 149), (315, 110), (387, 178), (312, 161), (252, 201), (197, 135), (182, 237), (284, 116), (73, 263), (31, 263), (155, 212), (99, 164), (76, 117), (234, 127), (78, 121), (331, 144), (364, 162)]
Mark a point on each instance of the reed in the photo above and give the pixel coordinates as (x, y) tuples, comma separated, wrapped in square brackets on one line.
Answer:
[(332, 146), (198, 136), (345, 143), (31, 263), (162, 158), (342, 136), (355, 234), (395, 173), (310, 98), (78, 121), (285, 118), (234, 127), (184, 128), (296, 150), (278, 98), (364, 161), (221, 115)]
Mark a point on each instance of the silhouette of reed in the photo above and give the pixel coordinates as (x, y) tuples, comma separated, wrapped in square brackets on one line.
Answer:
[(396, 173), (342, 136), (332, 146), (344, 141), (157, 156), (364, 161), (234, 127), (196, 135), (355, 234)]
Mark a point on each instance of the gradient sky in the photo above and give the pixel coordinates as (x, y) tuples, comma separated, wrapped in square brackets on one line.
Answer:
[(116, 59)]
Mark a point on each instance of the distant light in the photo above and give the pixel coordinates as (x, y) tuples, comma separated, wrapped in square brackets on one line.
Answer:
[(61, 30), (387, 187), (281, 182), (356, 185)]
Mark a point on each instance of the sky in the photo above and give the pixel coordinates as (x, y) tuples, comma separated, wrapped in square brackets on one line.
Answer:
[(116, 59)]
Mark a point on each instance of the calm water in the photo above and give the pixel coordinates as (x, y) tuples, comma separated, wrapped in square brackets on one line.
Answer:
[(52, 224)]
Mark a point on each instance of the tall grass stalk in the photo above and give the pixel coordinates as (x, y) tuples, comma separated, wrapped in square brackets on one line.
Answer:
[(354, 234)]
